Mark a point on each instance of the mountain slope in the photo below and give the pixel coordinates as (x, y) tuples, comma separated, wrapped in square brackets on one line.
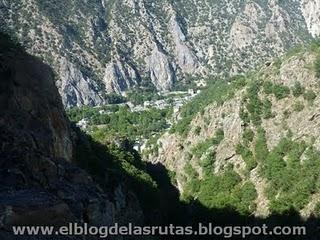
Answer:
[(105, 46), (40, 154), (251, 144)]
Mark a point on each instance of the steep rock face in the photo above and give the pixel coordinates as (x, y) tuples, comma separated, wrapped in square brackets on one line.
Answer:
[(39, 183), (242, 34), (76, 89), (311, 13), (119, 77), (185, 57), (291, 116), (197, 38), (28, 96), (161, 70)]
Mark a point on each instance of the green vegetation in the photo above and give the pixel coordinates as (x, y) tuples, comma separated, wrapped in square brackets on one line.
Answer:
[(260, 149), (278, 63), (203, 147), (217, 92), (298, 106), (111, 165), (113, 98), (197, 130), (248, 136), (268, 87), (260, 146), (193, 183), (291, 168), (253, 103), (257, 141), (279, 90), (138, 97), (207, 163), (315, 48), (121, 122), (247, 155), (310, 96), (225, 190), (255, 108), (291, 180), (317, 209), (297, 89), (267, 109), (91, 114)]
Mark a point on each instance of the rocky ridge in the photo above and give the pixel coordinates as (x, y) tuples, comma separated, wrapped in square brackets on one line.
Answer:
[(107, 46), (291, 116)]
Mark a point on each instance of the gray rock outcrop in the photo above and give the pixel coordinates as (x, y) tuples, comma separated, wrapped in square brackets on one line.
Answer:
[(311, 13), (75, 88), (118, 78), (161, 70)]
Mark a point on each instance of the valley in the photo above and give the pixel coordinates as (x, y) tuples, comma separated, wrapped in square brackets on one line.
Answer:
[(237, 142), (160, 112)]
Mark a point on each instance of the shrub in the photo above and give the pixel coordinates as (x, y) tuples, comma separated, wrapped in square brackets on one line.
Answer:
[(193, 185), (197, 130), (247, 156), (298, 106), (268, 87), (266, 109), (219, 135), (253, 103), (290, 179), (207, 164), (113, 98), (260, 148), (278, 63), (280, 91), (248, 135), (203, 147), (244, 198), (216, 191), (244, 116), (297, 89), (317, 209), (310, 96)]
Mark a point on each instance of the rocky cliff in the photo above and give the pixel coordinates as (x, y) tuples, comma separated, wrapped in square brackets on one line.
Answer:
[(257, 134), (40, 182), (104, 46)]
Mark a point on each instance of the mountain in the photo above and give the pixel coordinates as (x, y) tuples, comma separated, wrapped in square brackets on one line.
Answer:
[(45, 179), (104, 46), (251, 144), (243, 150)]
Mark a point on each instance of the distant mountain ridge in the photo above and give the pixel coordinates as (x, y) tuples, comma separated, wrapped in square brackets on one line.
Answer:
[(103, 46)]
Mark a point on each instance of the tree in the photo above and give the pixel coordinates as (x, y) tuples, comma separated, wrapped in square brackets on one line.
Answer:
[(297, 89), (310, 96), (280, 91)]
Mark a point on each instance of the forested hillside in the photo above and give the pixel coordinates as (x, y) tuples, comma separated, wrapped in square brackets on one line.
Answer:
[(251, 143)]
